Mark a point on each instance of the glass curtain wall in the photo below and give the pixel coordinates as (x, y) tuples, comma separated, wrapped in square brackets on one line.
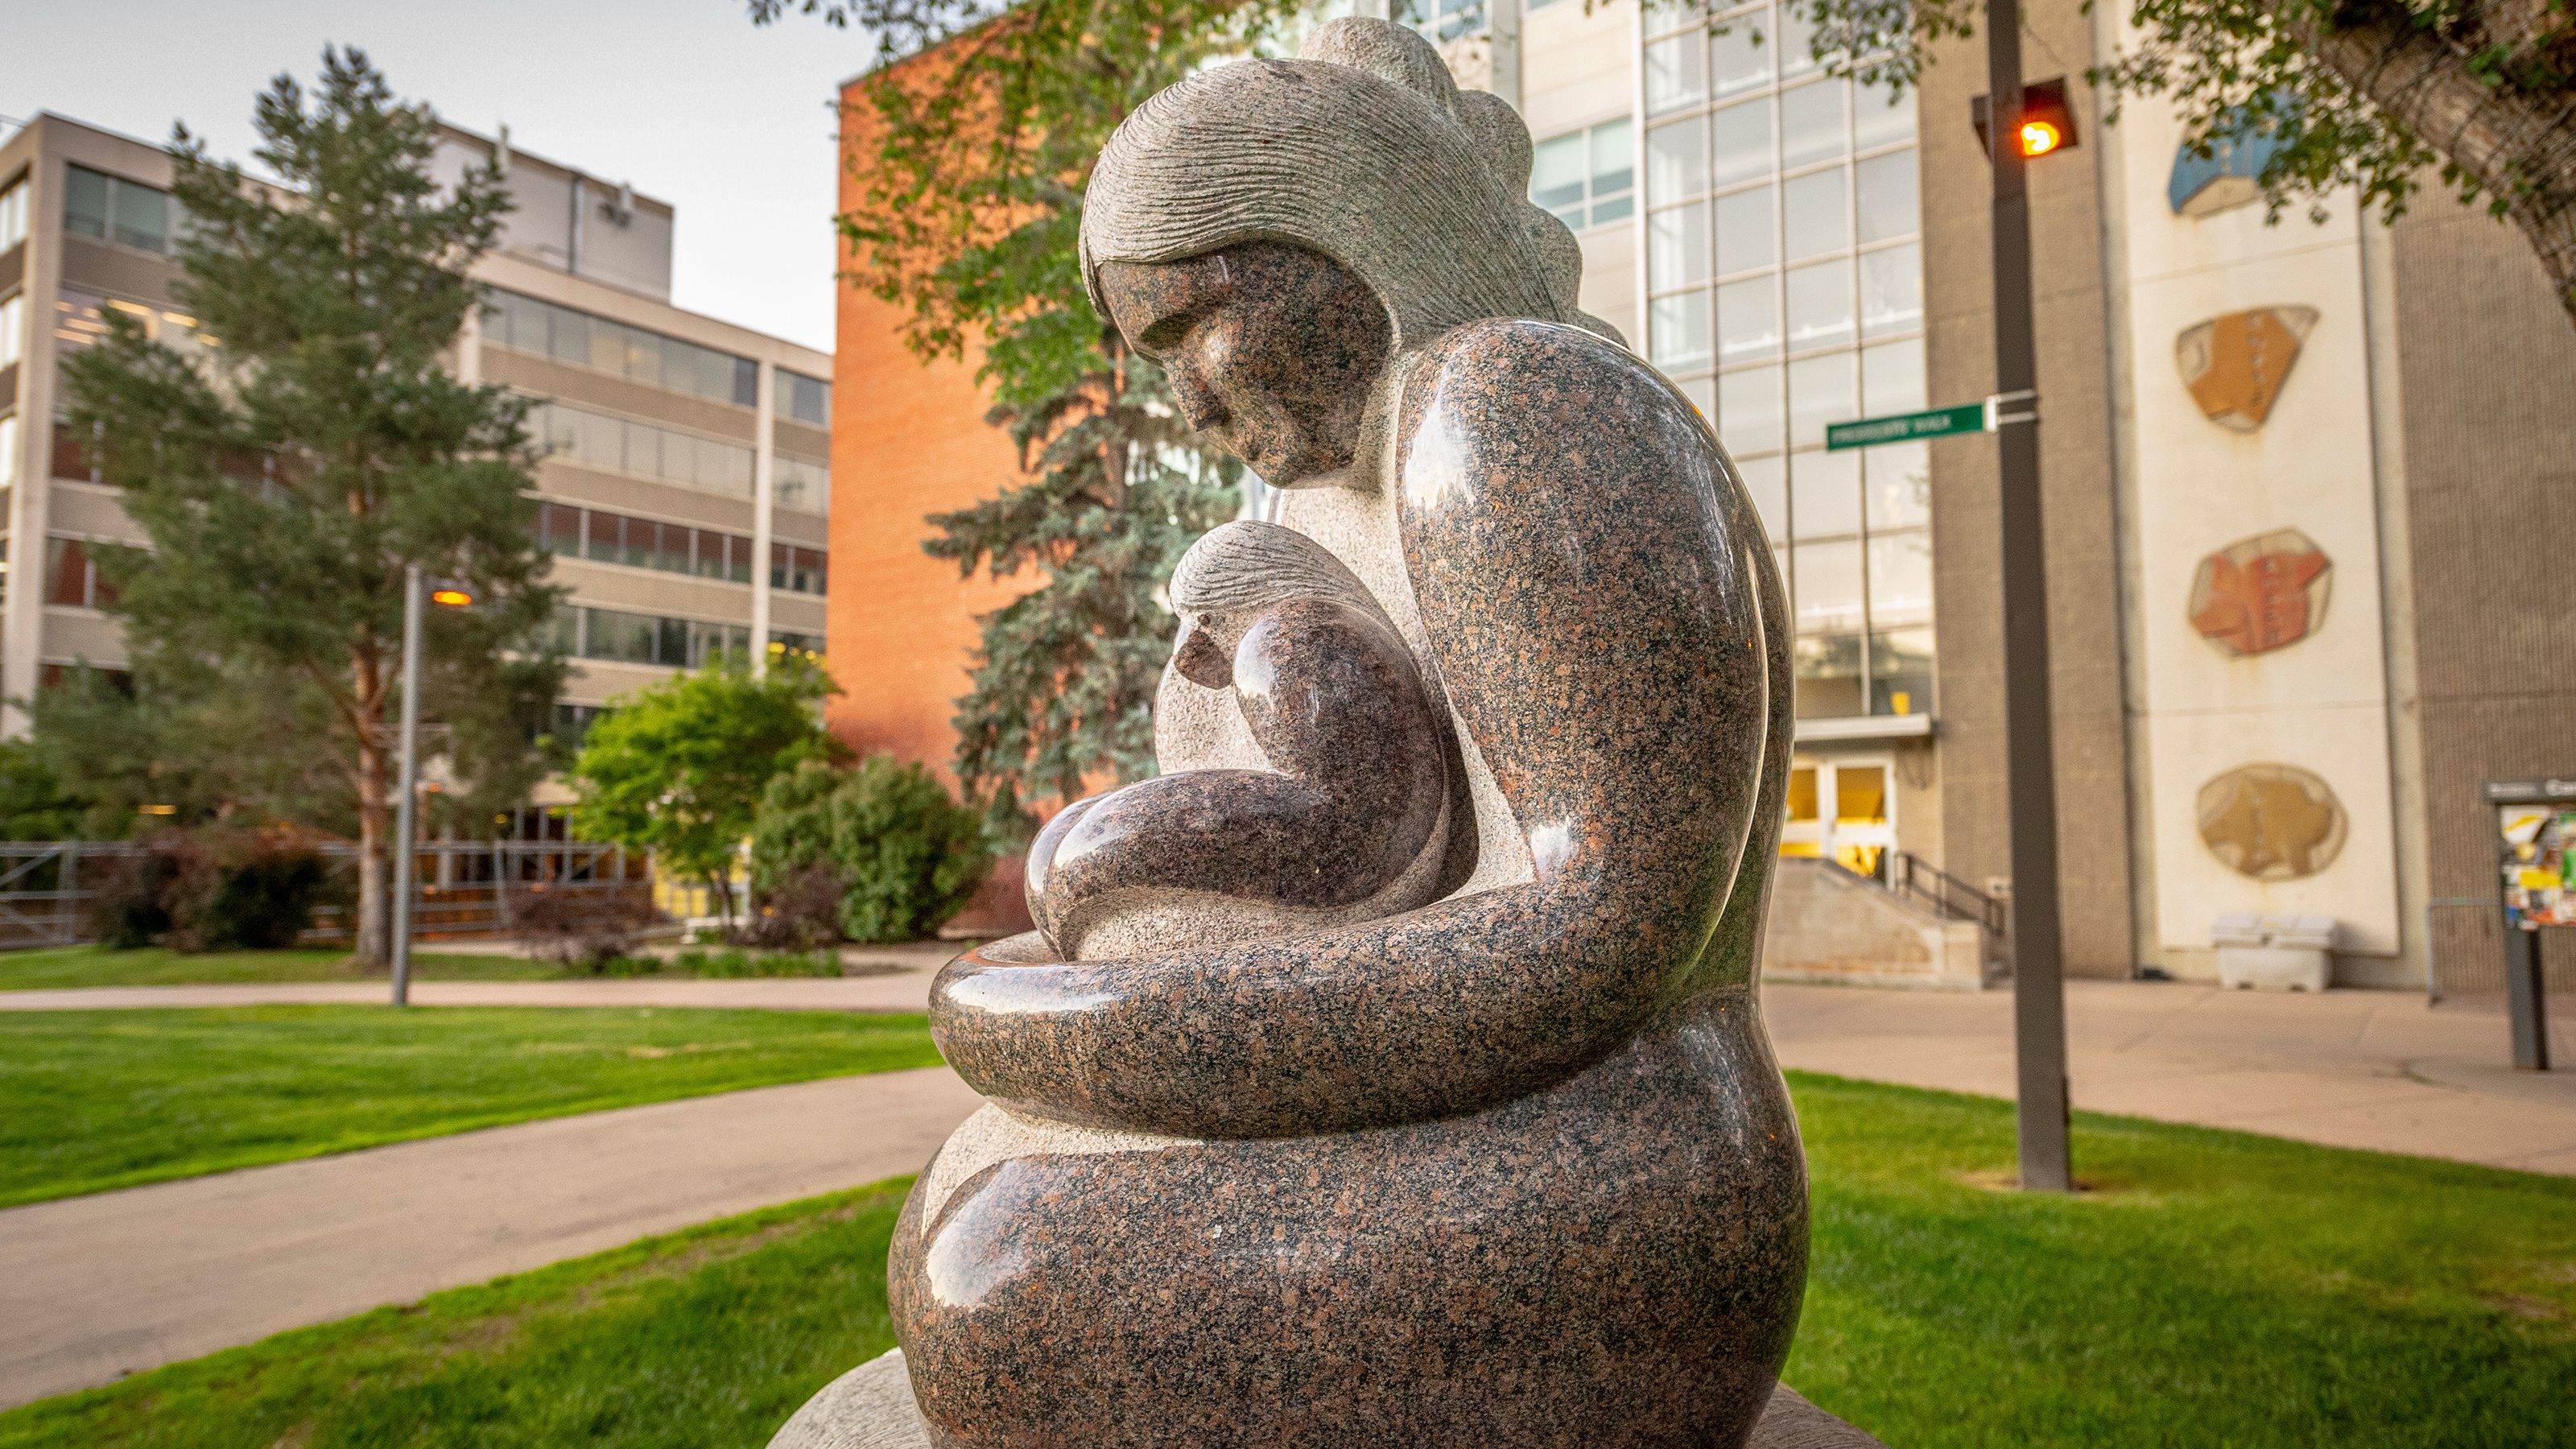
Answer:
[(1784, 274)]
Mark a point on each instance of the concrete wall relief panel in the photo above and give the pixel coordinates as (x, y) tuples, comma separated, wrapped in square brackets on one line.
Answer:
[(2272, 822), (2234, 365), (2262, 593)]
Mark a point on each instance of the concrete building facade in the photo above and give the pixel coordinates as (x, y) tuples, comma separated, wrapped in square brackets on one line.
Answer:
[(687, 477), (2304, 485)]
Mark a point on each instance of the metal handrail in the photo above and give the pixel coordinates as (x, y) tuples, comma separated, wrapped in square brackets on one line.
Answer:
[(1910, 874)]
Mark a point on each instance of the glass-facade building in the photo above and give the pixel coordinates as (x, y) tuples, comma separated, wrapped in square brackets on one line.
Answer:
[(1783, 272)]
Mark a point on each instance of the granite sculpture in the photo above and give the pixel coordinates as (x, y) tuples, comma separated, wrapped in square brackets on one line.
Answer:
[(1389, 1070)]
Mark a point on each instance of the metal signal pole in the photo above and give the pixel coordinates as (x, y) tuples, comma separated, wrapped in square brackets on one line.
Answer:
[(2039, 989)]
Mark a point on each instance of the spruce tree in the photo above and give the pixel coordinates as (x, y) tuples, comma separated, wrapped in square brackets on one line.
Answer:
[(980, 127), (307, 447)]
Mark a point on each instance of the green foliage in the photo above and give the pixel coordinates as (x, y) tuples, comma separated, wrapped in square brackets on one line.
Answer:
[(677, 768), (2361, 94), (35, 804), (289, 461), (66, 967), (93, 1100), (980, 141), (709, 1336), (210, 891), (734, 963), (2220, 1289), (906, 856)]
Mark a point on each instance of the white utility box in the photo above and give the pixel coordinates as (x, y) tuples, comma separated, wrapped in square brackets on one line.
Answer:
[(2282, 953)]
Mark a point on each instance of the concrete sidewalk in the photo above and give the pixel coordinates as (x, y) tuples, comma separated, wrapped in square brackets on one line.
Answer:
[(92, 1288), (2374, 1069)]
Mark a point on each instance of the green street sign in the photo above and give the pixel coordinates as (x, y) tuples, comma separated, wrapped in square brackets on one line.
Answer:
[(1975, 417)]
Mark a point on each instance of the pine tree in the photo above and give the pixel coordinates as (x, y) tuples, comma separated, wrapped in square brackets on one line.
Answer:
[(982, 124), (308, 446)]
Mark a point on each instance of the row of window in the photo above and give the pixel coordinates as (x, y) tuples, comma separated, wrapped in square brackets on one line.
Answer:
[(605, 537), (13, 213), (71, 575), (712, 465), (13, 329), (806, 399), (1809, 216), (112, 208), (528, 324), (583, 632), (1587, 177)]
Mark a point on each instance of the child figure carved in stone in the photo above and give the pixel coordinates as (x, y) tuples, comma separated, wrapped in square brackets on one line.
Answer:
[(1350, 821)]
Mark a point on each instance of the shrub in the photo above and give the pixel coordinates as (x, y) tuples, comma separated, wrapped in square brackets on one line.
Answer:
[(594, 931), (803, 913), (128, 905), (734, 962), (244, 893), (241, 891), (905, 855)]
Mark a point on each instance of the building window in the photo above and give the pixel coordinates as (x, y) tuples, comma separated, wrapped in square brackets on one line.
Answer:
[(543, 329), (801, 484), (806, 399), (796, 569), (9, 451), (613, 634), (1784, 292), (622, 445), (111, 208), (572, 729), (1442, 20), (71, 576), (1587, 177), (13, 213), (13, 330), (604, 537)]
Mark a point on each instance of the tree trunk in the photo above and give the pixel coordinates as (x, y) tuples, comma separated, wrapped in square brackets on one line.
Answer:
[(374, 943), (2517, 144)]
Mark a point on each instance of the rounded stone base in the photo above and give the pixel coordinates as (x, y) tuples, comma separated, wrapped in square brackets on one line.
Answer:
[(871, 1407)]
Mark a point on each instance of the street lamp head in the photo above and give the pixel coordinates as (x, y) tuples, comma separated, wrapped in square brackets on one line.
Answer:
[(452, 598), (2039, 137)]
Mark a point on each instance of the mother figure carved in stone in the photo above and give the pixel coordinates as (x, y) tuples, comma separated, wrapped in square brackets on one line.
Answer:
[(1389, 1070)]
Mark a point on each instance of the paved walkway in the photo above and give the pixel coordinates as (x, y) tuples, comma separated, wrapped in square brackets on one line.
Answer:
[(2374, 1069), (93, 1288)]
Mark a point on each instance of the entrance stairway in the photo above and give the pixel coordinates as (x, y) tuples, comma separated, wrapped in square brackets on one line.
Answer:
[(1829, 924)]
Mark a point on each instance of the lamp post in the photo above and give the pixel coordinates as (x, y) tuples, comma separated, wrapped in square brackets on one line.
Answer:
[(416, 595)]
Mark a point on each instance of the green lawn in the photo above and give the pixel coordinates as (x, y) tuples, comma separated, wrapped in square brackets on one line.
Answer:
[(72, 966), (707, 1337), (91, 1100), (2219, 1289)]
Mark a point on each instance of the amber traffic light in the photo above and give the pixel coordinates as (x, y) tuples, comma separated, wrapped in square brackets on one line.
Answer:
[(2047, 122)]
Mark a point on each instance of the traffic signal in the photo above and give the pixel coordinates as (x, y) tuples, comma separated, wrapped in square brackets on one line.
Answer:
[(2047, 123)]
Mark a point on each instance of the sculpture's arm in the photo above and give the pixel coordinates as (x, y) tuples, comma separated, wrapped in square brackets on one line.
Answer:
[(1595, 595)]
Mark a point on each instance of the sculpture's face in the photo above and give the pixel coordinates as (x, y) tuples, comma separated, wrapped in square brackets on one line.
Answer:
[(1271, 350)]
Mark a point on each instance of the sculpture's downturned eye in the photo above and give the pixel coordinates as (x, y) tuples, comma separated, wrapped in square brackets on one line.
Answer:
[(1154, 305)]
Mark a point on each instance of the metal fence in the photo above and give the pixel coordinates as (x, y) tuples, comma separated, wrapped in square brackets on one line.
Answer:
[(466, 887)]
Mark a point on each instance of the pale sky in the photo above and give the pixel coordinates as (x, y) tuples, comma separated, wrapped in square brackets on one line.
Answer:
[(729, 123)]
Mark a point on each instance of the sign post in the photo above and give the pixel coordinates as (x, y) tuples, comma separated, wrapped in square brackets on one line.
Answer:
[(2536, 835)]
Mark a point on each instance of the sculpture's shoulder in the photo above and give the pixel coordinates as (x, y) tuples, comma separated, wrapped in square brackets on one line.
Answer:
[(1514, 408), (1518, 372)]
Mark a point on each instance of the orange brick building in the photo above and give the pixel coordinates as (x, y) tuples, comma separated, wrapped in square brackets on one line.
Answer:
[(908, 439)]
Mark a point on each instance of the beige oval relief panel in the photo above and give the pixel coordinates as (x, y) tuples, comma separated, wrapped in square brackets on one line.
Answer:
[(2271, 822)]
